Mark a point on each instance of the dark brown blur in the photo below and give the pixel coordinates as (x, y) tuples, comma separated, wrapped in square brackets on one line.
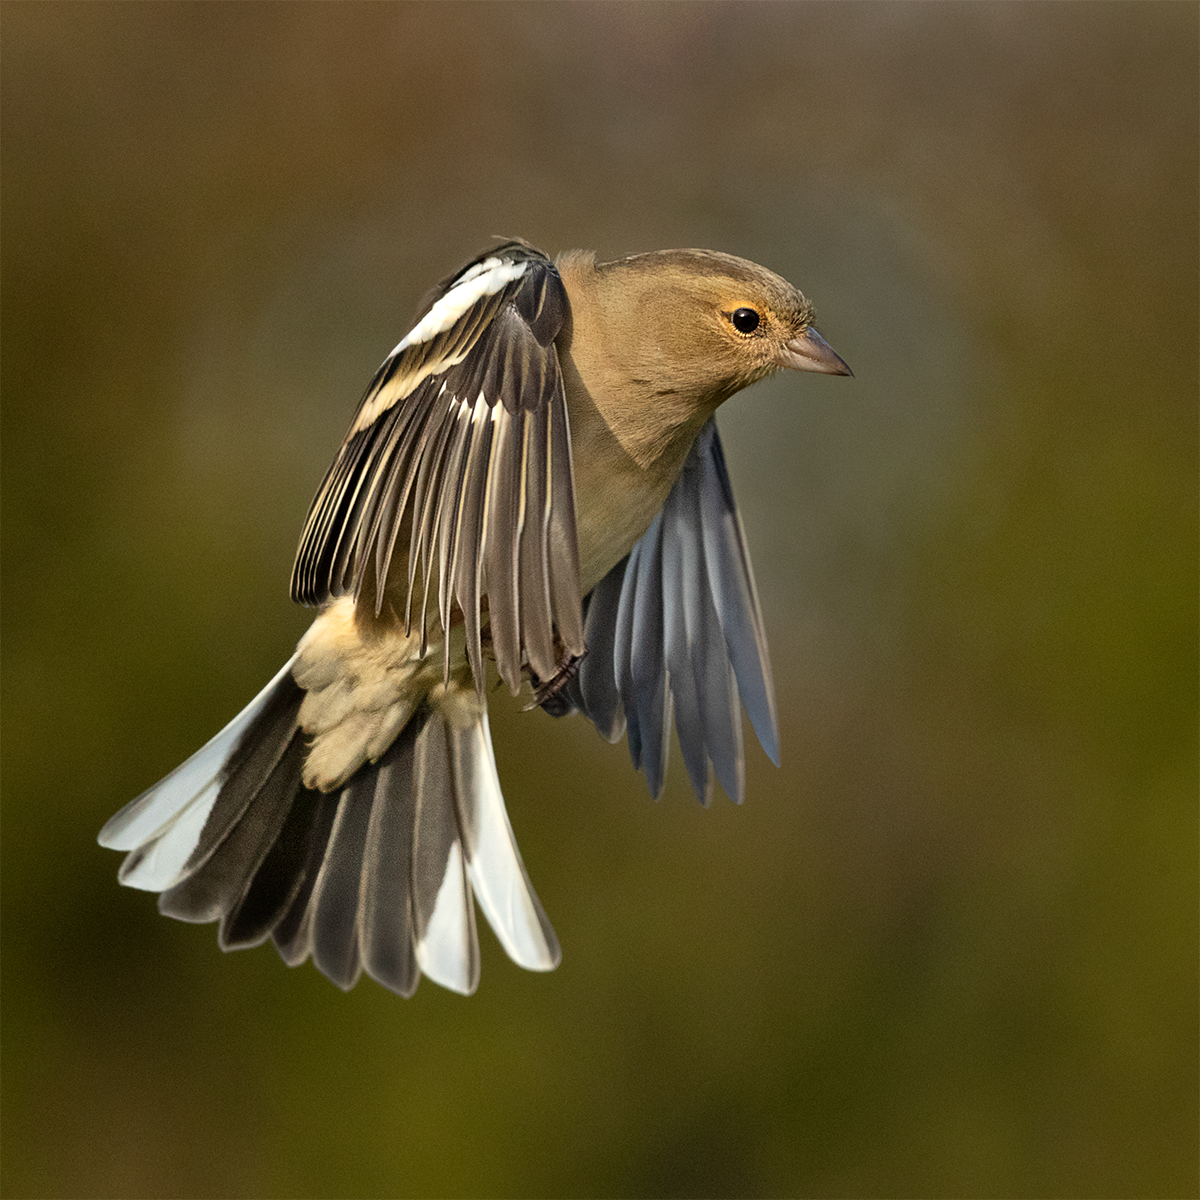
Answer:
[(950, 948)]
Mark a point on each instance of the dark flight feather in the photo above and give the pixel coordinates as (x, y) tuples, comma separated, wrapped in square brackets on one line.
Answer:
[(675, 631)]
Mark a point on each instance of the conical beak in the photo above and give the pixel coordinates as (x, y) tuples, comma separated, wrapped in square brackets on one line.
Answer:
[(811, 352)]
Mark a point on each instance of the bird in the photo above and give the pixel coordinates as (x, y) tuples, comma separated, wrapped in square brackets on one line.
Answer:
[(532, 484)]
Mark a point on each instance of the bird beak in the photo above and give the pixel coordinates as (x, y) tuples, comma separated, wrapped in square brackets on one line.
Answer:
[(811, 352)]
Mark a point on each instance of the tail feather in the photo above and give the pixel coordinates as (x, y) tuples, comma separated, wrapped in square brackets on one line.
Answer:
[(387, 935), (336, 894), (148, 815), (447, 945), (379, 876), (292, 935), (212, 887), (157, 864), (493, 860), (264, 765), (278, 880)]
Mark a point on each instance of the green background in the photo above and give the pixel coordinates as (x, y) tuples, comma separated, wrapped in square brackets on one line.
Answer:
[(950, 948)]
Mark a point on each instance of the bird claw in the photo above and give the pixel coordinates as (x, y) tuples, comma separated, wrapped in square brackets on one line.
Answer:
[(549, 695)]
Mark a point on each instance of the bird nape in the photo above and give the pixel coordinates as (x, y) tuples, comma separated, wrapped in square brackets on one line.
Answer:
[(533, 478)]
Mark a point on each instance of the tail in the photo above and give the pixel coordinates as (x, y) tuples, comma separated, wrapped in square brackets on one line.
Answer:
[(376, 876)]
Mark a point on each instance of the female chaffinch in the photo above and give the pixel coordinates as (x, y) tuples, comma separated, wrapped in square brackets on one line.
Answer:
[(534, 477)]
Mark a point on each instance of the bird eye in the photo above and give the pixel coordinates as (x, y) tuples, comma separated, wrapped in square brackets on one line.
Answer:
[(745, 320)]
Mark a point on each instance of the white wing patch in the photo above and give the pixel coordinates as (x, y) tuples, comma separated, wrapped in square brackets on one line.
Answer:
[(398, 389), (483, 279)]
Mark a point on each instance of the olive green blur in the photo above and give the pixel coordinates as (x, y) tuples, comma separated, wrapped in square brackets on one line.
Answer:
[(950, 947)]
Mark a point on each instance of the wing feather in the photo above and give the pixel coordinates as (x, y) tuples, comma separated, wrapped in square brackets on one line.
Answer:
[(393, 501), (689, 721), (461, 444), (425, 509), (595, 688), (449, 497), (536, 634), (502, 542), (675, 632), (623, 651), (648, 670), (731, 580), (469, 534), (562, 544)]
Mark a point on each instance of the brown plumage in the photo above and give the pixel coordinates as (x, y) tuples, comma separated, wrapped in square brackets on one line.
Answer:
[(533, 478), (648, 356)]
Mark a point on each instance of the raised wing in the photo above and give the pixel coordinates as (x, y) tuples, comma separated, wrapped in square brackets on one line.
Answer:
[(674, 631), (454, 481)]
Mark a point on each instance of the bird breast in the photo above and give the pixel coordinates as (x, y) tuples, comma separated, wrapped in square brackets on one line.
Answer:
[(616, 497)]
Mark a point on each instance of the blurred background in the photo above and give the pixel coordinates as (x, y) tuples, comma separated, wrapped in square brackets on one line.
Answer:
[(950, 948)]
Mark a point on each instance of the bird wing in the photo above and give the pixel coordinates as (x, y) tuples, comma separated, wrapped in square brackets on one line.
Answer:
[(674, 631), (460, 455)]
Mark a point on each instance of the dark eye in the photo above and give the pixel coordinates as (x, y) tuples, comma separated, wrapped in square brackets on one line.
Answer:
[(745, 320)]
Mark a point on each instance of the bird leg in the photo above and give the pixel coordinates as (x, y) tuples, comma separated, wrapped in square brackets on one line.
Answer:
[(549, 694)]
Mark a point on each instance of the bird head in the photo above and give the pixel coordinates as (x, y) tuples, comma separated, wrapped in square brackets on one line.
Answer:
[(711, 324), (658, 341)]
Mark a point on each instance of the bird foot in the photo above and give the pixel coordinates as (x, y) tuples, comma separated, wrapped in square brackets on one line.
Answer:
[(549, 695)]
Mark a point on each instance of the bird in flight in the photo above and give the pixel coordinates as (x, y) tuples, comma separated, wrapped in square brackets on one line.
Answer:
[(533, 478)]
